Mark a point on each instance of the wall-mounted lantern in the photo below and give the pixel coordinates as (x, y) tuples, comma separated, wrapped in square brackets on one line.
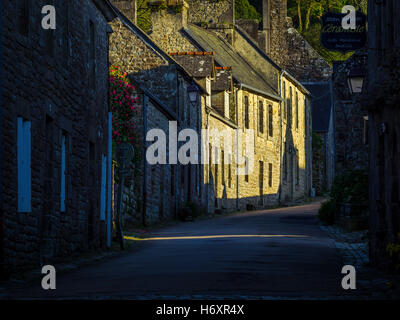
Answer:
[(193, 92), (355, 80)]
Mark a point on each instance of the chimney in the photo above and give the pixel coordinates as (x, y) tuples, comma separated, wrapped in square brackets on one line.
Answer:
[(128, 8), (168, 16), (266, 14)]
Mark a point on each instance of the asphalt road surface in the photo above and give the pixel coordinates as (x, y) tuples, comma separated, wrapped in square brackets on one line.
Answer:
[(279, 253)]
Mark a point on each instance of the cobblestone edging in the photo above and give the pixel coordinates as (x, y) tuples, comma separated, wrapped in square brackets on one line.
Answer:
[(353, 246), (354, 250)]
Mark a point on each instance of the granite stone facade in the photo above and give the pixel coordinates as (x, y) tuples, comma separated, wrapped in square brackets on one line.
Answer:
[(381, 100), (55, 115), (257, 106), (162, 83), (351, 151)]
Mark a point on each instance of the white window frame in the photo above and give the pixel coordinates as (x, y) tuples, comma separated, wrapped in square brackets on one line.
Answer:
[(226, 104), (208, 89)]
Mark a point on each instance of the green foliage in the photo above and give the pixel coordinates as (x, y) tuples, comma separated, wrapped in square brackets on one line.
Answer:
[(143, 15), (350, 187), (178, 8), (311, 12), (317, 142), (393, 249), (244, 10), (327, 212)]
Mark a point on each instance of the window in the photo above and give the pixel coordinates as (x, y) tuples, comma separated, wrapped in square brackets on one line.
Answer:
[(92, 156), (270, 174), (285, 167), (183, 176), (260, 117), (297, 110), (246, 163), (23, 17), (103, 187), (270, 121), (284, 101), (366, 130), (246, 112), (223, 167), (261, 177), (226, 104), (64, 42), (305, 114), (172, 180), (92, 55), (216, 172), (230, 172), (49, 36), (208, 89), (63, 174), (24, 165), (290, 107), (297, 168)]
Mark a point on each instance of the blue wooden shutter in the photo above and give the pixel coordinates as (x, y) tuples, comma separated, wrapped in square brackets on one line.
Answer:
[(63, 163), (24, 165), (103, 187)]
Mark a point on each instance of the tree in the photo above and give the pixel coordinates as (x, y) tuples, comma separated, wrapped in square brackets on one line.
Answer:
[(244, 10), (299, 15)]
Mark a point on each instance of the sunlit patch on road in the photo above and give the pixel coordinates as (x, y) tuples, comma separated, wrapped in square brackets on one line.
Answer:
[(219, 236)]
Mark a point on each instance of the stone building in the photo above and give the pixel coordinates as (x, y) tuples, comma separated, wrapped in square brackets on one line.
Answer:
[(351, 151), (381, 98), (56, 131), (323, 162), (162, 189), (278, 38), (255, 105)]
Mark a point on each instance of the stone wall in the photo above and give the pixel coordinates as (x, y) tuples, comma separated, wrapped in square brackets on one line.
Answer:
[(143, 63), (381, 96), (47, 81), (319, 175), (211, 11), (290, 50), (351, 151), (266, 149), (151, 68), (167, 31), (295, 144)]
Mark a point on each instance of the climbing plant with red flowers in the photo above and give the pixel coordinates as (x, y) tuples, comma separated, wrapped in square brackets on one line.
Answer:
[(122, 102)]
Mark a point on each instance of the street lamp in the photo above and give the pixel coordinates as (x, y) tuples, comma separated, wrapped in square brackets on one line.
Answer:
[(193, 92), (355, 80)]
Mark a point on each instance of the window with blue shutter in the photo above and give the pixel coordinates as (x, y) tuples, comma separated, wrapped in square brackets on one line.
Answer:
[(24, 165), (63, 173), (103, 187)]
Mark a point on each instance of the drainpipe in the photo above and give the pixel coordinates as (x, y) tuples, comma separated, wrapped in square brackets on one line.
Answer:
[(281, 131), (109, 164), (237, 148), (209, 165), (1, 157)]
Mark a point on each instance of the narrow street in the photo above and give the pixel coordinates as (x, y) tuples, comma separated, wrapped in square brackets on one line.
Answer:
[(279, 253)]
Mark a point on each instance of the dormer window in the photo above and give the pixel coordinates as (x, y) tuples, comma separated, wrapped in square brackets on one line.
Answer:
[(226, 104), (208, 89)]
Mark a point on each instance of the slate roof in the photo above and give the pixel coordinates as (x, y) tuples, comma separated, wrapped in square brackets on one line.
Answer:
[(223, 79), (225, 55), (198, 64), (321, 101)]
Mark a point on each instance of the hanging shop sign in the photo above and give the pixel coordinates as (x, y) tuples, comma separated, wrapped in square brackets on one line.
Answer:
[(336, 38)]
